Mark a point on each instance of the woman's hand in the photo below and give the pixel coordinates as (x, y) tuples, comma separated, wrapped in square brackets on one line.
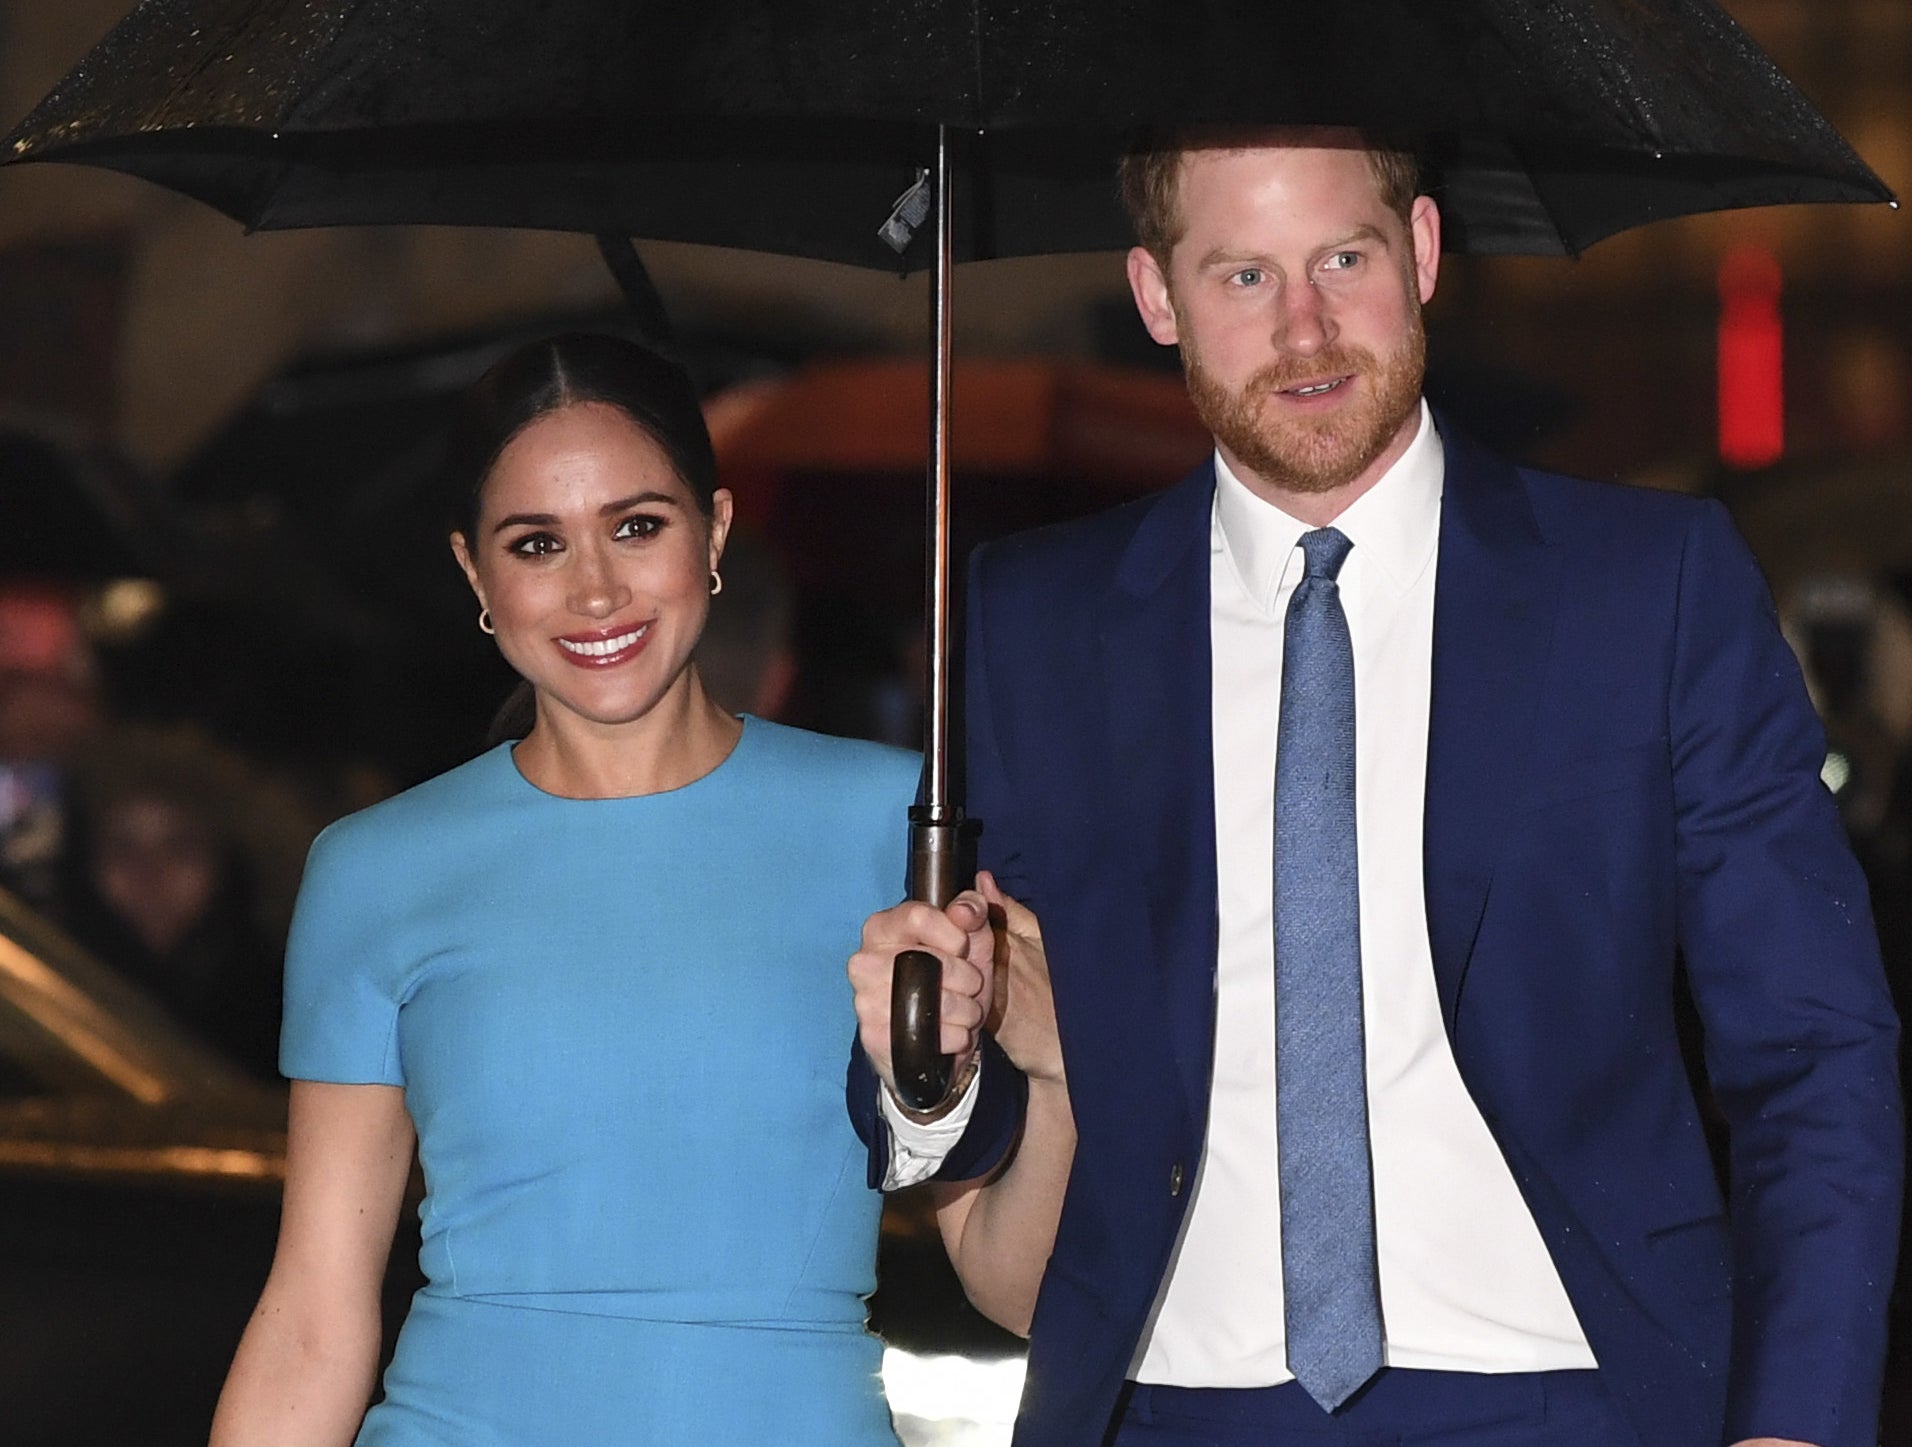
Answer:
[(961, 938), (1024, 1018)]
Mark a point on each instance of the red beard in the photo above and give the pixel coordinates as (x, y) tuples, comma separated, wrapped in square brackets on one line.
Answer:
[(1314, 455)]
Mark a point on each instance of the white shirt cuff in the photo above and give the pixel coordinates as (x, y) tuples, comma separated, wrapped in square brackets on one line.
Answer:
[(917, 1149)]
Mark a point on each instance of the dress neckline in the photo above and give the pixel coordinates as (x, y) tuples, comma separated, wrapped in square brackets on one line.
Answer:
[(751, 726)]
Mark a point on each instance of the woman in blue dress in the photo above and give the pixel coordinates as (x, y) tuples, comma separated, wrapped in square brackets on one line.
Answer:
[(596, 978)]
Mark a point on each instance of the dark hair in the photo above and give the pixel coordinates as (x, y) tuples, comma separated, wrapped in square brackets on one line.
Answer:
[(543, 376)]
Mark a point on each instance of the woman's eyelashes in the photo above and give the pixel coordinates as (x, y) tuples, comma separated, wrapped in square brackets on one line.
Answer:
[(533, 545), (638, 527)]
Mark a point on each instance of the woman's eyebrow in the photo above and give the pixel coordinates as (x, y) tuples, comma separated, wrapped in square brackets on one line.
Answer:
[(635, 500), (548, 520)]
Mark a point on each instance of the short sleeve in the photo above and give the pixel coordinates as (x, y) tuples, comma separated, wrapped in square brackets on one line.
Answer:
[(341, 986)]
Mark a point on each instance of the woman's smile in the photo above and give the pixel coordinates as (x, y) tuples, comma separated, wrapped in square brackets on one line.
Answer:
[(604, 648)]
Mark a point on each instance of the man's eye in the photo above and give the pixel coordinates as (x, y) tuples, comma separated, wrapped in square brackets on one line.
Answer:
[(1342, 261), (534, 545), (1249, 276), (643, 525)]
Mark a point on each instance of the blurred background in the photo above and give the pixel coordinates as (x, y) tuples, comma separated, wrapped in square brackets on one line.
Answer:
[(227, 613)]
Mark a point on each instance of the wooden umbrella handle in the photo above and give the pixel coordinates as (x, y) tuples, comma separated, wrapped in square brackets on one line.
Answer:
[(940, 866), (923, 1072)]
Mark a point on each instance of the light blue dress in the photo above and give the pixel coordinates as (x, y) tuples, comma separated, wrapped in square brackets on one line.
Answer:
[(621, 1026)]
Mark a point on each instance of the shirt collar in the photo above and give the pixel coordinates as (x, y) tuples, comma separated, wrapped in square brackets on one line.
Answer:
[(1393, 525)]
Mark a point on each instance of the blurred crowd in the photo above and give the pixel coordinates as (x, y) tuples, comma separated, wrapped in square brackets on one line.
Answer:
[(162, 851)]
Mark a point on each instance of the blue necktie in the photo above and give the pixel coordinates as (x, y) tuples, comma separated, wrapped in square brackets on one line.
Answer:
[(1329, 1276)]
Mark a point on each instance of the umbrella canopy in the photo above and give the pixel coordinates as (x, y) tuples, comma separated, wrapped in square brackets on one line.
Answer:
[(798, 126)]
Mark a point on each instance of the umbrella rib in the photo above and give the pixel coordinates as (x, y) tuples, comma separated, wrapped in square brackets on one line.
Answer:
[(1571, 245)]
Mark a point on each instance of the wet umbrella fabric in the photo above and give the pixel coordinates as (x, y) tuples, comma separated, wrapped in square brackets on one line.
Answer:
[(795, 126)]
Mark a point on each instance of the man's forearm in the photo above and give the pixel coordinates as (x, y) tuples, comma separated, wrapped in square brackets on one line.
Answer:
[(999, 1233)]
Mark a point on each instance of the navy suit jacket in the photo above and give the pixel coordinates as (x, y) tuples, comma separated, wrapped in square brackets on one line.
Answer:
[(1623, 767)]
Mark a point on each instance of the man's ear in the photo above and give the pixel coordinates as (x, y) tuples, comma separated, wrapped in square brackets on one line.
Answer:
[(1149, 286), (1424, 224)]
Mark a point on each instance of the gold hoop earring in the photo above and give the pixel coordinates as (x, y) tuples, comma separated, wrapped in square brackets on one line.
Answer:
[(484, 621), (716, 582)]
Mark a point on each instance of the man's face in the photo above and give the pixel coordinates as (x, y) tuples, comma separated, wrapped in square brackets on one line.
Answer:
[(1295, 295)]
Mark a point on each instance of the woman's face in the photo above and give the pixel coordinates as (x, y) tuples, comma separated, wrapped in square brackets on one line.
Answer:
[(594, 560)]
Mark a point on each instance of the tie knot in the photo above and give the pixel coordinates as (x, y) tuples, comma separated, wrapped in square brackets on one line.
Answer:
[(1326, 549)]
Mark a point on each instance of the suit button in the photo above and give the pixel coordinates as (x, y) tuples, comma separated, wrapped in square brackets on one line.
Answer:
[(1175, 1179)]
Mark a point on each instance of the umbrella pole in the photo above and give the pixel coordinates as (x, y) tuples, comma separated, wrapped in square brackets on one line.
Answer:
[(939, 869), (640, 292), (936, 722)]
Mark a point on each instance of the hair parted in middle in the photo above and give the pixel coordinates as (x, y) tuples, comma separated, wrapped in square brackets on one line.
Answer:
[(545, 376), (1151, 172)]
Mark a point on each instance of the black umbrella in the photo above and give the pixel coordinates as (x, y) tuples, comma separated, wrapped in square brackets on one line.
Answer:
[(832, 129), (795, 125)]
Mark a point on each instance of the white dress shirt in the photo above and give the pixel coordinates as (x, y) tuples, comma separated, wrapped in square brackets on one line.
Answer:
[(1466, 1282)]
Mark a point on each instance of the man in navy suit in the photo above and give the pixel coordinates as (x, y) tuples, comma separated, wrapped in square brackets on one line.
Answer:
[(1354, 814)]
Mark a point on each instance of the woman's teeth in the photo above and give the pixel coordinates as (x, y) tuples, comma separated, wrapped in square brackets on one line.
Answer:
[(602, 647)]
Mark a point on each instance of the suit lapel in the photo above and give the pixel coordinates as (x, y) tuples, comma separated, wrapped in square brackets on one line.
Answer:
[(1156, 658), (1493, 621)]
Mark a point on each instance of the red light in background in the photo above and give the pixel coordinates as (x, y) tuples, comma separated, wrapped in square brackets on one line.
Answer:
[(1752, 399)]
